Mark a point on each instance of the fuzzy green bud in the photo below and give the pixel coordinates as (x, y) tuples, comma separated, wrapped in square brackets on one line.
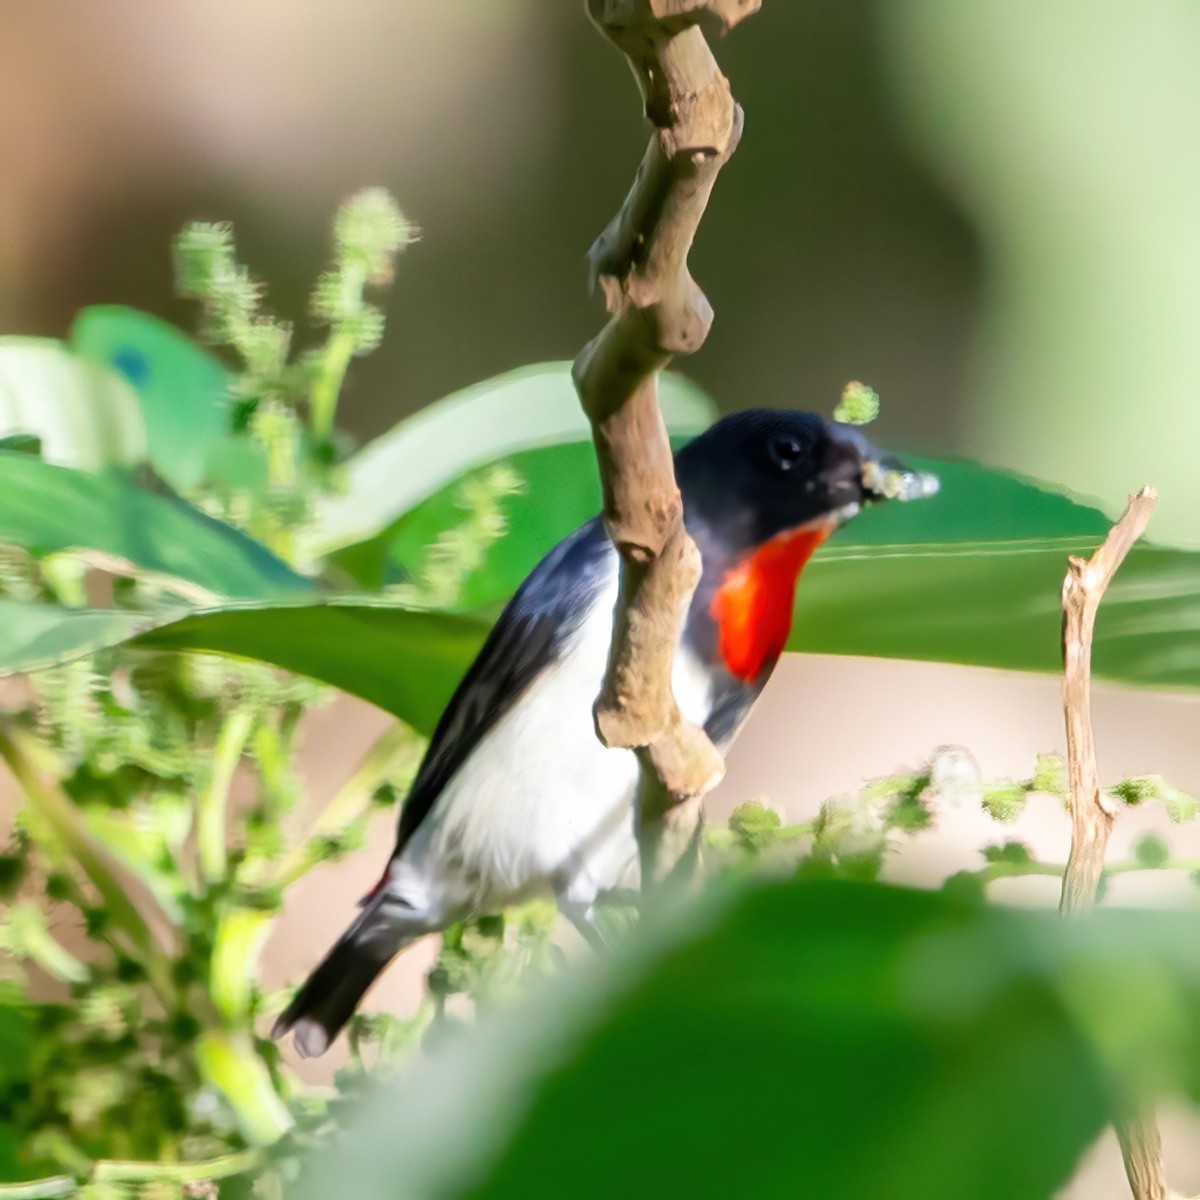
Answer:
[(1135, 791), (204, 258), (1015, 854), (755, 825), (1050, 775), (859, 404), (1151, 851), (1004, 802), (369, 230)]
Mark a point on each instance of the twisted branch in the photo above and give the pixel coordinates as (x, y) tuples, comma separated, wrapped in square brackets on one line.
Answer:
[(657, 311), (1091, 820)]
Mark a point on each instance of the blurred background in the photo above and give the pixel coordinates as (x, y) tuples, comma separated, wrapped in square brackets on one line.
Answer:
[(989, 213)]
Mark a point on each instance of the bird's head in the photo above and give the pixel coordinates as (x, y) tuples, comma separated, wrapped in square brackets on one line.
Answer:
[(763, 472), (761, 490)]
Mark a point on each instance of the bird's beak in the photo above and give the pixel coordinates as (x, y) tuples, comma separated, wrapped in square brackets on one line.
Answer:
[(878, 476), (886, 478)]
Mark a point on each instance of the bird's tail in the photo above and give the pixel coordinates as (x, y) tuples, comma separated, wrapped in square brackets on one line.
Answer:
[(329, 996)]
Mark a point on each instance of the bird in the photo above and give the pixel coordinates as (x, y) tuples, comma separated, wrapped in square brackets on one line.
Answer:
[(515, 795)]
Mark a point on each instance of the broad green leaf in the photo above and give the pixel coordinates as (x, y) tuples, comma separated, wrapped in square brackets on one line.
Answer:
[(559, 491), (83, 414), (47, 509), (406, 662), (532, 406), (36, 636), (801, 1039), (971, 575), (184, 392), (974, 575)]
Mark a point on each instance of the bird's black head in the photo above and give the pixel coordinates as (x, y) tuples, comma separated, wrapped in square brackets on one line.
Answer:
[(758, 473)]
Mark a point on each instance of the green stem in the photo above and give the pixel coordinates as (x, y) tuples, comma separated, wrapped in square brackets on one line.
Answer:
[(334, 361), (1005, 870), (1172, 864), (40, 1189), (801, 829), (214, 800), (352, 799), (113, 1171), (110, 1171), (237, 944), (228, 1060)]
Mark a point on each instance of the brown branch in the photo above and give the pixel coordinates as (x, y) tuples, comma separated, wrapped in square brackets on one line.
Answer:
[(1091, 819), (658, 311)]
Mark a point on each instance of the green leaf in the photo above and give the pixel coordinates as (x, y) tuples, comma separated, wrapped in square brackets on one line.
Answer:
[(47, 509), (560, 490), (531, 406), (184, 391), (36, 636), (972, 575), (82, 414), (816, 1039), (407, 662)]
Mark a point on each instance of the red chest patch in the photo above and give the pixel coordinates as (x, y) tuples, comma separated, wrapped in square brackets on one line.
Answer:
[(753, 606)]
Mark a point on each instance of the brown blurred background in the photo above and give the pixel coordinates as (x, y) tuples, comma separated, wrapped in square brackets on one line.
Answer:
[(509, 132), (989, 213)]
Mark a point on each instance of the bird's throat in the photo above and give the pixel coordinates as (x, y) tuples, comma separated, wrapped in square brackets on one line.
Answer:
[(753, 605)]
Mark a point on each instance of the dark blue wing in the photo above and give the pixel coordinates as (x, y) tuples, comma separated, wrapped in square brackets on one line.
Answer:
[(534, 626)]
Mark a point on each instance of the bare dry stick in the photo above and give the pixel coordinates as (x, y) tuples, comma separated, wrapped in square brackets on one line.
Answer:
[(1091, 818), (658, 311)]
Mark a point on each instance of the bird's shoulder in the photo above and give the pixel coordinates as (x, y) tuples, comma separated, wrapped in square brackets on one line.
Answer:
[(534, 630)]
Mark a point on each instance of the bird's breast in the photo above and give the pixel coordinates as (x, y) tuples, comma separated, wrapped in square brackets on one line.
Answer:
[(539, 799), (752, 606)]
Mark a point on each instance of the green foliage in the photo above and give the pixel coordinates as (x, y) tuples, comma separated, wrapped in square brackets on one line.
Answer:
[(369, 232), (1015, 854), (1004, 801), (129, 744), (46, 510), (424, 458), (807, 1037), (755, 825), (987, 600), (1138, 789), (209, 525), (127, 766)]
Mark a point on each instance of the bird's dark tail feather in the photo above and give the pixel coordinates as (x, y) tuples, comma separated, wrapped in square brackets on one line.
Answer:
[(330, 995)]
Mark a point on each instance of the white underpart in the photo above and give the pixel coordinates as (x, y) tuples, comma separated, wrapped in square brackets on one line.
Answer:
[(539, 804)]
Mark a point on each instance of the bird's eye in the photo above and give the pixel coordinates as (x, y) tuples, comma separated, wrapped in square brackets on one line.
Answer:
[(787, 451)]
